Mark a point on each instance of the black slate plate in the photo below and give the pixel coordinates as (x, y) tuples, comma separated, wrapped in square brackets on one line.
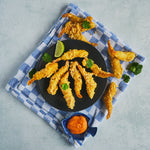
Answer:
[(57, 100)]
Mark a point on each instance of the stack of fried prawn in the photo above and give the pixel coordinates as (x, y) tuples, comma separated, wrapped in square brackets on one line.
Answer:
[(60, 76)]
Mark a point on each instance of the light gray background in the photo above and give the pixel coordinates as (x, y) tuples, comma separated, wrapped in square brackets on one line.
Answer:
[(23, 23)]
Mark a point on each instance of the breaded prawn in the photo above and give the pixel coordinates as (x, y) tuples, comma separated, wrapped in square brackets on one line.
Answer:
[(74, 27), (75, 19), (77, 78), (52, 88), (89, 81), (97, 70), (71, 54), (124, 56), (74, 32), (108, 97), (115, 63), (68, 96), (49, 69)]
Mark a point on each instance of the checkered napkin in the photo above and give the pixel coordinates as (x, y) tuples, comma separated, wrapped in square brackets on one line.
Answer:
[(30, 96)]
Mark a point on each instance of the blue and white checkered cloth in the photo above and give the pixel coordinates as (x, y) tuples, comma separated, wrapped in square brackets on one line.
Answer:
[(30, 96)]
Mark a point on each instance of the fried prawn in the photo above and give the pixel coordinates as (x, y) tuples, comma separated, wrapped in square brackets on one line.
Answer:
[(71, 54), (108, 97), (77, 78), (46, 72), (115, 63), (68, 96), (97, 70), (124, 56), (89, 81), (52, 88), (74, 27)]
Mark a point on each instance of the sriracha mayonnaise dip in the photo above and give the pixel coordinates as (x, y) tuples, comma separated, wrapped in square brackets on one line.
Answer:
[(77, 124)]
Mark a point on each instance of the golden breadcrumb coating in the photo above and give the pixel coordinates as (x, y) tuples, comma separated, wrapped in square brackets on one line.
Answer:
[(74, 27), (115, 63), (97, 70), (49, 69), (89, 81), (124, 56), (77, 78), (71, 54), (108, 97), (68, 96), (52, 88)]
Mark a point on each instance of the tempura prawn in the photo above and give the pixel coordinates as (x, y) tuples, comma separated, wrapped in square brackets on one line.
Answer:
[(49, 69)]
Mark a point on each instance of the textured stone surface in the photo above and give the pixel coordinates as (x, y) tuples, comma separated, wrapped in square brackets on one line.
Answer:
[(22, 26)]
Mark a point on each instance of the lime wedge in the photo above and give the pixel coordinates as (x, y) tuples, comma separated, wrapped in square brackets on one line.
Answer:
[(59, 49)]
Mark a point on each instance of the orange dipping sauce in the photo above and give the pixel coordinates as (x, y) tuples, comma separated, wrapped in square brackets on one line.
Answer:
[(77, 124)]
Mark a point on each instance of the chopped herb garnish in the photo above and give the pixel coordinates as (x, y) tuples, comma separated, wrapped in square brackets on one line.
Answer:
[(64, 86), (126, 78), (47, 57), (135, 67), (86, 25), (89, 63), (32, 72)]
